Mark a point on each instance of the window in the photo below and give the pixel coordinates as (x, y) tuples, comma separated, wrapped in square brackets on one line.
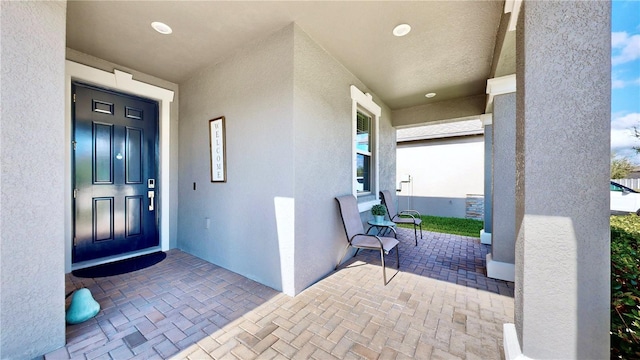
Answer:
[(363, 152), (620, 188), (365, 116)]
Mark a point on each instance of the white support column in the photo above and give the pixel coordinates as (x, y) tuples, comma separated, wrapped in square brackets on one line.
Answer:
[(485, 234), (496, 86), (501, 260), (499, 86), (562, 287)]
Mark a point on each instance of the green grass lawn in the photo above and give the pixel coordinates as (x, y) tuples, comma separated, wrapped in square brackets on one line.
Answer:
[(456, 226)]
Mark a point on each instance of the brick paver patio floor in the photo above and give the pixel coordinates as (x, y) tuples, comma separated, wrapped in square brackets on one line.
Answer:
[(440, 305)]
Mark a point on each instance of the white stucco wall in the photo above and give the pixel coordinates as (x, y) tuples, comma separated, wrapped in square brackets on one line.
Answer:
[(32, 307), (443, 172)]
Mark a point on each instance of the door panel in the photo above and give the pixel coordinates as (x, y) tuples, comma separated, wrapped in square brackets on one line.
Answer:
[(103, 219), (102, 107), (134, 159), (115, 155), (134, 215), (103, 140), (133, 113)]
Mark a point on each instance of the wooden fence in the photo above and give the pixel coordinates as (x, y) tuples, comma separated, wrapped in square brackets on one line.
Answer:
[(631, 183)]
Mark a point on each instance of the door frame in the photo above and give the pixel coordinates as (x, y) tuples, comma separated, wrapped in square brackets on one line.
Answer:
[(122, 82)]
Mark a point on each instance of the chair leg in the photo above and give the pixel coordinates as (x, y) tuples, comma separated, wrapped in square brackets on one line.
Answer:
[(415, 232), (398, 257), (384, 273), (343, 255), (420, 230)]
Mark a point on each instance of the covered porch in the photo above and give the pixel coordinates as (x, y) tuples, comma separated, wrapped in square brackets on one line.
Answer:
[(290, 78), (439, 305)]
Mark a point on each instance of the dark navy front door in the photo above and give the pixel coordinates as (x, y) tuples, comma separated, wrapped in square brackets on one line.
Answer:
[(115, 172)]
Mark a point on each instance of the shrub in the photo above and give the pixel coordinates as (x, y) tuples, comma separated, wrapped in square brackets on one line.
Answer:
[(378, 210), (625, 293), (620, 167)]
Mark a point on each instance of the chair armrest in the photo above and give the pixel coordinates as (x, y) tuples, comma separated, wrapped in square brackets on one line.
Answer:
[(368, 235), (405, 214), (410, 213)]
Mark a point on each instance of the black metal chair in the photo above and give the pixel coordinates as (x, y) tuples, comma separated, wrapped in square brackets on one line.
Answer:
[(413, 218), (356, 236)]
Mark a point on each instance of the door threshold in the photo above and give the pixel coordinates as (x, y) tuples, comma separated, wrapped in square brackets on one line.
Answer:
[(114, 258)]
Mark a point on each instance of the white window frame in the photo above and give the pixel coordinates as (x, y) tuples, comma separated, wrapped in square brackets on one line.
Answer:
[(365, 103)]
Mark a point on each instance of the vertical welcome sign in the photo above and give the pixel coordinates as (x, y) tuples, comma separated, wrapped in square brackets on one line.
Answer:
[(217, 147)]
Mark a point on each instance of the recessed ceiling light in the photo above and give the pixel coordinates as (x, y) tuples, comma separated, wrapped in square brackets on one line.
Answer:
[(430, 95), (161, 27), (401, 30)]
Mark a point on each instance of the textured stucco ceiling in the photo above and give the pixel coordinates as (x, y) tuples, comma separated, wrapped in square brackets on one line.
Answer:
[(449, 50)]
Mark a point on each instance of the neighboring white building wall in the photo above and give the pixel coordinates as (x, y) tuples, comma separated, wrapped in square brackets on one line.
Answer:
[(443, 171), (32, 180)]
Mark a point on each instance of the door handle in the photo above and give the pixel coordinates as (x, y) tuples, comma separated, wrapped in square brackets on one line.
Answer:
[(151, 194)]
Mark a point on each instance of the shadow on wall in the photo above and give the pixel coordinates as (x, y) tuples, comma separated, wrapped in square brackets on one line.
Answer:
[(434, 206)]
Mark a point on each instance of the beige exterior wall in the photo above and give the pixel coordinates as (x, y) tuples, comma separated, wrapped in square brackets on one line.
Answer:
[(32, 180), (323, 158), (440, 111), (253, 89), (563, 127), (288, 110)]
